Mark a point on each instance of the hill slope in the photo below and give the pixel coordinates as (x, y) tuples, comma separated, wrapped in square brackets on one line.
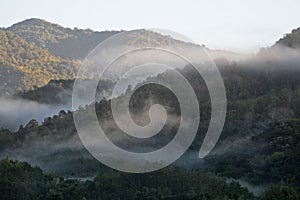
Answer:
[(77, 43), (291, 40), (60, 41), (34, 51), (24, 65)]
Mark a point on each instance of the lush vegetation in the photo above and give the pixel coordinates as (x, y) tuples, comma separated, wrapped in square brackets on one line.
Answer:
[(269, 157), (291, 39), (25, 66), (21, 181), (259, 143), (64, 42), (59, 92), (251, 114), (34, 51), (280, 192)]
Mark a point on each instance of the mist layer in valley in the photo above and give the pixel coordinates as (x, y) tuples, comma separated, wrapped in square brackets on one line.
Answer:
[(56, 139), (16, 111)]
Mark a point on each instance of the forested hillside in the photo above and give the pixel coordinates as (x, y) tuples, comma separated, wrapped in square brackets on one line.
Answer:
[(21, 181), (24, 65), (60, 41), (77, 43), (259, 143), (34, 51), (291, 40), (251, 114)]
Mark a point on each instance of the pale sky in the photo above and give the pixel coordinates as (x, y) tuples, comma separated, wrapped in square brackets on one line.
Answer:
[(223, 24)]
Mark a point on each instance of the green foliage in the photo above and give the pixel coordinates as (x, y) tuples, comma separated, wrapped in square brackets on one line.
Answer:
[(7, 139), (34, 52), (281, 192), (76, 43), (273, 156), (20, 181), (59, 92), (28, 65), (39, 31), (291, 40)]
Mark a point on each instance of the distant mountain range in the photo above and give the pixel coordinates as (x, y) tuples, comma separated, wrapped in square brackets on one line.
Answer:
[(77, 43), (63, 42), (34, 51)]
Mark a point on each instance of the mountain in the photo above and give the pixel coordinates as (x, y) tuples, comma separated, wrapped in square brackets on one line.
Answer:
[(25, 65), (291, 40), (77, 43), (64, 42), (271, 156), (259, 142), (249, 112), (34, 51), (59, 92), (284, 51)]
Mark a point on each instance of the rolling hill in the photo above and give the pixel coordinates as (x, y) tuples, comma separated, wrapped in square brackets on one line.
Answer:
[(77, 43), (60, 41), (25, 65), (34, 51)]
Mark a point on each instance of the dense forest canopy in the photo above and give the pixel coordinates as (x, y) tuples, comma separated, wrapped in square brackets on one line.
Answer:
[(24, 65)]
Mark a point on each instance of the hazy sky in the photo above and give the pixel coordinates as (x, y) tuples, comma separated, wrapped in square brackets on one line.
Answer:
[(225, 24)]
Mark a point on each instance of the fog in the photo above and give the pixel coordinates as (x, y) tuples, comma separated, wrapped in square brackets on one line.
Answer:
[(16, 111), (257, 190), (277, 57), (61, 149)]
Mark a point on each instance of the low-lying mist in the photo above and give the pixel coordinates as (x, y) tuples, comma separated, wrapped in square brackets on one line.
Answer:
[(17, 111), (55, 146)]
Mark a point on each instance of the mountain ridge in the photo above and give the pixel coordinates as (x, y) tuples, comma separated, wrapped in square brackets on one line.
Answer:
[(291, 40), (60, 41), (35, 51), (66, 40), (25, 65)]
